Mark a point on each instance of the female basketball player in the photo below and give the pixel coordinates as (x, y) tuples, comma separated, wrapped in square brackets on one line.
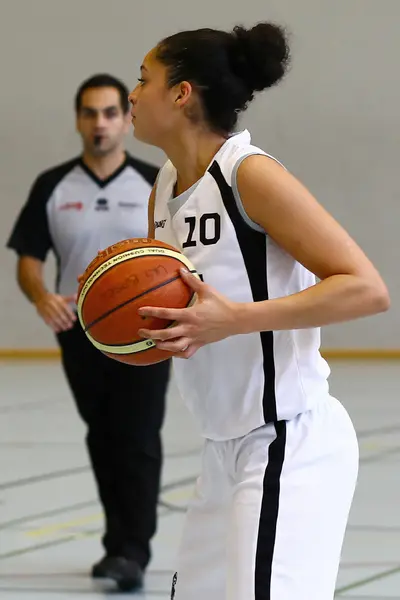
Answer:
[(280, 459)]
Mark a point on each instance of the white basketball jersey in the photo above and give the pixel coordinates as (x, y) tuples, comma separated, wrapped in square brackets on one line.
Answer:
[(238, 384)]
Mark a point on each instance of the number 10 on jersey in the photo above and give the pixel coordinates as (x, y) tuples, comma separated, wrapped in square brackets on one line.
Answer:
[(206, 230)]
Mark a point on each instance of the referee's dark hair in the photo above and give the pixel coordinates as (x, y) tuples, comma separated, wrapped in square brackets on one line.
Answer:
[(100, 81)]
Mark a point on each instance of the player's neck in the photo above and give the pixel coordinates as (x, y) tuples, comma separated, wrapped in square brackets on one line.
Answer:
[(104, 166), (191, 153)]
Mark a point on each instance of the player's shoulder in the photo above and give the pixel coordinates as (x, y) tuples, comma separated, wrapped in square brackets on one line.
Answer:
[(166, 177), (167, 169), (239, 148)]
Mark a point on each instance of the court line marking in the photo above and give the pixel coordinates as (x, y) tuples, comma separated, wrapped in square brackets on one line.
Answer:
[(57, 527), (168, 511), (165, 512), (387, 429), (174, 495), (8, 485), (50, 513), (367, 580)]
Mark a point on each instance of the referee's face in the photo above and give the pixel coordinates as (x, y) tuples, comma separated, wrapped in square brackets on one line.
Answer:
[(101, 121)]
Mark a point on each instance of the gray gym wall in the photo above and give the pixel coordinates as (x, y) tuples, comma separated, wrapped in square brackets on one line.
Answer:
[(335, 122)]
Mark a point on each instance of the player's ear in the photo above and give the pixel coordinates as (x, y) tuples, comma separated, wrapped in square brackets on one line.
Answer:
[(184, 91)]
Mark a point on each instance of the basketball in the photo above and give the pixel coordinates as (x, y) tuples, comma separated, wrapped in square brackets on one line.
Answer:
[(121, 279)]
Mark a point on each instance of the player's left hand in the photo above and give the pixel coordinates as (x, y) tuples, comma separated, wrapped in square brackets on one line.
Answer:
[(211, 319)]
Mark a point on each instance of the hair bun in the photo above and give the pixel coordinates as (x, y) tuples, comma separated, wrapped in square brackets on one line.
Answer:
[(260, 55)]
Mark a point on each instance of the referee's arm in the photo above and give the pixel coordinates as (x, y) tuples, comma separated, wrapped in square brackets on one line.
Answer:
[(31, 240)]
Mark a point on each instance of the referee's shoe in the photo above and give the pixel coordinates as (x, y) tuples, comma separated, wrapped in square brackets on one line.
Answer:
[(127, 573)]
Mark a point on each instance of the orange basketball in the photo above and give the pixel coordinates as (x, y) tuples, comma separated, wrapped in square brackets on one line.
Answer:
[(121, 279)]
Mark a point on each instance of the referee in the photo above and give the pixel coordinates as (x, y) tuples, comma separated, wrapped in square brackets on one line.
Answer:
[(75, 210)]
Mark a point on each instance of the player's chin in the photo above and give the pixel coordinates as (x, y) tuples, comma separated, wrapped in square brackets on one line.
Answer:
[(140, 134), (137, 133)]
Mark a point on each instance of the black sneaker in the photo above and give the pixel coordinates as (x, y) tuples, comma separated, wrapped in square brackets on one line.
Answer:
[(100, 569), (126, 573)]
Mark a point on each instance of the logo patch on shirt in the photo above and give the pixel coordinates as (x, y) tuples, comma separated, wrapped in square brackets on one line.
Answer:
[(158, 224), (72, 206), (102, 204)]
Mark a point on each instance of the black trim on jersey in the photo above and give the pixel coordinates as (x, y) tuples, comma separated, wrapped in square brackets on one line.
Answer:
[(102, 183), (31, 234), (269, 514), (147, 171), (253, 245)]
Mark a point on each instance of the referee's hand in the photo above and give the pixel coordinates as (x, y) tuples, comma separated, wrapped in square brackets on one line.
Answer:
[(56, 311)]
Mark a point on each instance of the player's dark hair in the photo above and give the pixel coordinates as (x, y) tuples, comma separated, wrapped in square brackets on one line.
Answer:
[(226, 68), (100, 81)]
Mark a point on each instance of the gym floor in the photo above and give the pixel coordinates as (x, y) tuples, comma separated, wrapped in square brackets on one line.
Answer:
[(51, 522)]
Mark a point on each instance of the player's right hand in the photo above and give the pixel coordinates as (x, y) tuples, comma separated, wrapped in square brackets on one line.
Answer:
[(56, 311)]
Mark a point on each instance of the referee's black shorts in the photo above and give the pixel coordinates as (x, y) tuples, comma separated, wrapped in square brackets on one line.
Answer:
[(105, 389)]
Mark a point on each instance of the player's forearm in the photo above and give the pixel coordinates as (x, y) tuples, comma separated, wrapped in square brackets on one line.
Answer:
[(336, 299), (30, 278)]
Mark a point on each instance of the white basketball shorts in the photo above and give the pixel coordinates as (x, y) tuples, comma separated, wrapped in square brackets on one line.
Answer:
[(269, 512)]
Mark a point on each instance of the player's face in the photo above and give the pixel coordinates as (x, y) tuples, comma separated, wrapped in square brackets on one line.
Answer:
[(101, 121), (155, 106)]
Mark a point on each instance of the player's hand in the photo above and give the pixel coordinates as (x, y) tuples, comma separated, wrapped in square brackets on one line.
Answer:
[(211, 319), (56, 311)]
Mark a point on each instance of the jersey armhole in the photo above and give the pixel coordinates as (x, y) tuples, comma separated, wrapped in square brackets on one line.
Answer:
[(236, 193), (155, 184)]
